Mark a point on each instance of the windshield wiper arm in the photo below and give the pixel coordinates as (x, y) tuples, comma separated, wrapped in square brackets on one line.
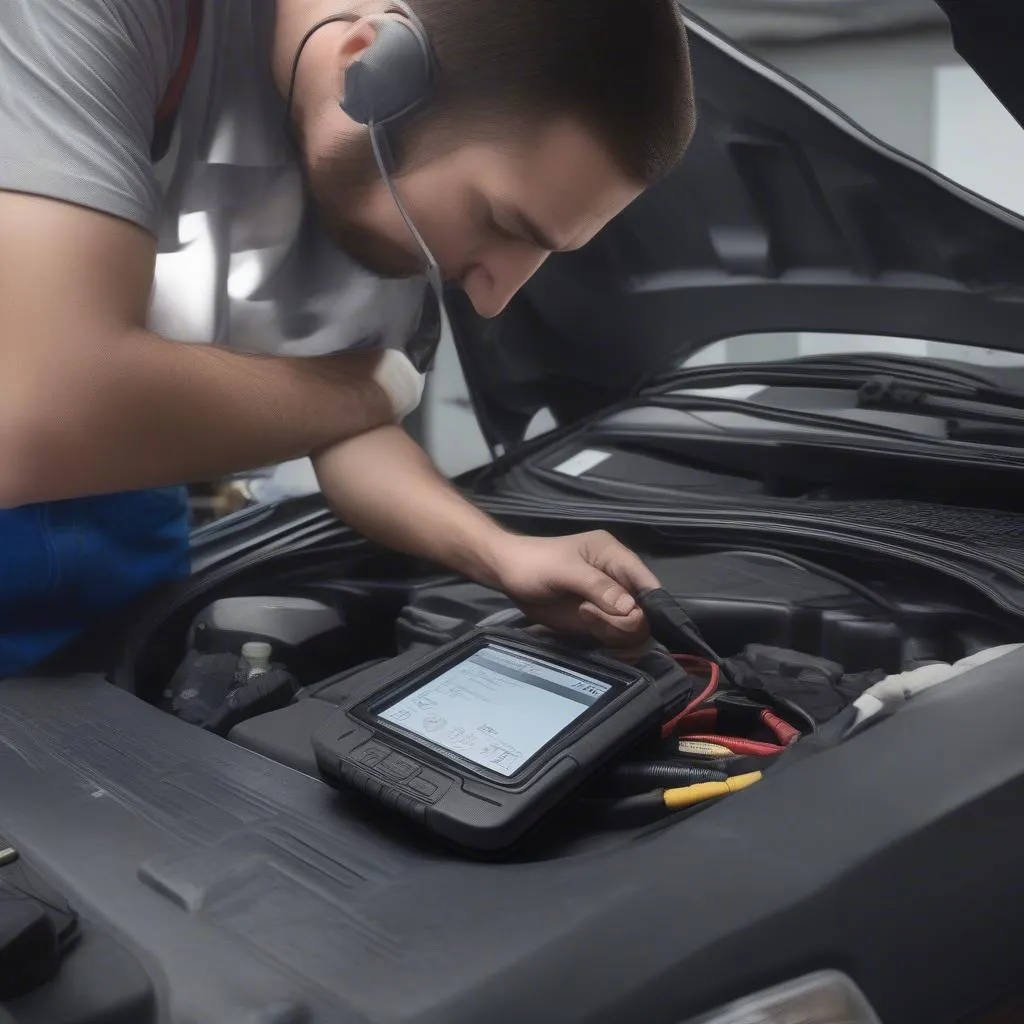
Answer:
[(892, 394), (1006, 435)]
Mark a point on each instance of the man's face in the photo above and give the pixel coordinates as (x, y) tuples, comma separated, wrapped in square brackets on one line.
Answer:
[(490, 213)]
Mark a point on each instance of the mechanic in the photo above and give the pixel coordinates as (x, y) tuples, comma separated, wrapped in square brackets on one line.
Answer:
[(157, 188)]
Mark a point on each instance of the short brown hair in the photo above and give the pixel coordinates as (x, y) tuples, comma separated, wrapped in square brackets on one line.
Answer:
[(621, 68)]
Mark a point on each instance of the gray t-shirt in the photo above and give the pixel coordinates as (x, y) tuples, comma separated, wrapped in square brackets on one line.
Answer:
[(241, 259)]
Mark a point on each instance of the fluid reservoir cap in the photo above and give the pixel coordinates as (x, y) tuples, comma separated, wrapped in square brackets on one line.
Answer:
[(257, 653)]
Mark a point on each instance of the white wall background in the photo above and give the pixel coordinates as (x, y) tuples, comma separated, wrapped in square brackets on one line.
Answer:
[(976, 141)]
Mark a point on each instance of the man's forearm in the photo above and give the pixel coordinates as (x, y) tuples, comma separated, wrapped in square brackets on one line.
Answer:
[(385, 486), (144, 412)]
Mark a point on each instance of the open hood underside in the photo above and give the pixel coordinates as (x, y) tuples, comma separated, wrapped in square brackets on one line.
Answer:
[(784, 216), (788, 21)]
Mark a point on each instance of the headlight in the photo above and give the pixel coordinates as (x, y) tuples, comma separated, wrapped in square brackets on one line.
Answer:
[(824, 998)]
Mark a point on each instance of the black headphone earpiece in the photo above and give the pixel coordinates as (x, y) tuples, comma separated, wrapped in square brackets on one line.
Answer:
[(393, 78)]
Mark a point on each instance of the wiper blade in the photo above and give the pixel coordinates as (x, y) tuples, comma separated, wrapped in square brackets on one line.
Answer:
[(975, 432), (892, 394), (840, 371)]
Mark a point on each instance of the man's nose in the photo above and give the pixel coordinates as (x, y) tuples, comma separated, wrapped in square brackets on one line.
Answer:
[(494, 282)]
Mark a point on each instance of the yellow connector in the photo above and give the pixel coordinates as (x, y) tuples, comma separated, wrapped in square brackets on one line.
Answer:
[(687, 796)]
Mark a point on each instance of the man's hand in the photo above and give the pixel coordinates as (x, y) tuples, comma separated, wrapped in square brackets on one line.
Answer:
[(383, 485), (580, 584)]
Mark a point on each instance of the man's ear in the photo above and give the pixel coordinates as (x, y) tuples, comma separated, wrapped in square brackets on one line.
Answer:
[(360, 36)]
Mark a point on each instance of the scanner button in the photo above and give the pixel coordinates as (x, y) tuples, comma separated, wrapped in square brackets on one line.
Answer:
[(424, 788), (398, 768), (371, 754)]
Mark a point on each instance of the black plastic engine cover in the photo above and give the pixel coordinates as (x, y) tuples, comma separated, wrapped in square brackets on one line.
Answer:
[(265, 896)]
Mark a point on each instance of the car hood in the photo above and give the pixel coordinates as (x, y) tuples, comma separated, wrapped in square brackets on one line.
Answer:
[(783, 216), (786, 21)]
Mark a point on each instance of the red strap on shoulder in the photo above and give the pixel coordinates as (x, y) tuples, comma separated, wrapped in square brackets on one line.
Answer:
[(167, 112)]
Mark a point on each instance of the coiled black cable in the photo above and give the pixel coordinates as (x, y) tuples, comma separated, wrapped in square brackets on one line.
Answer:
[(665, 773)]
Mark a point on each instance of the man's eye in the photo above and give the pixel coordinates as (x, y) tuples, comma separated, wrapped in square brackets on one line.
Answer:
[(502, 232), (509, 236)]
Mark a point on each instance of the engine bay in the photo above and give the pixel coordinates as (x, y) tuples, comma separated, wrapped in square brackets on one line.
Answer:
[(221, 854), (246, 887), (794, 643)]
